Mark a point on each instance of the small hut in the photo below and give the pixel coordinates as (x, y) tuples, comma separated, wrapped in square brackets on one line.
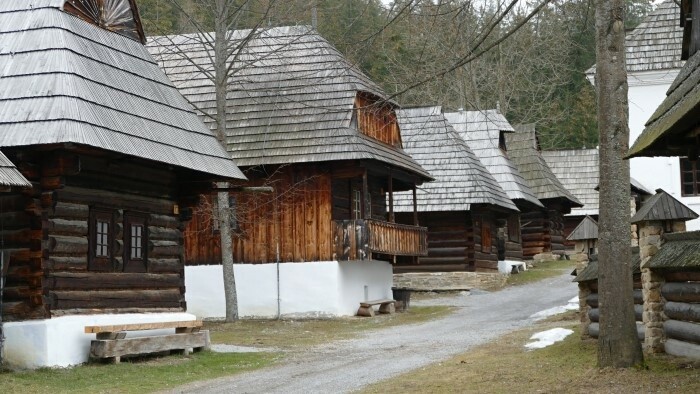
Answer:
[(484, 132), (585, 237), (543, 229), (460, 208), (116, 159)]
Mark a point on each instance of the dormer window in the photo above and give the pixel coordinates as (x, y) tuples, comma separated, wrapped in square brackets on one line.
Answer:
[(376, 119), (119, 16), (502, 141)]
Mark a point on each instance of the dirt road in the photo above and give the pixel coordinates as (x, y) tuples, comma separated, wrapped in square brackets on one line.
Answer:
[(349, 365)]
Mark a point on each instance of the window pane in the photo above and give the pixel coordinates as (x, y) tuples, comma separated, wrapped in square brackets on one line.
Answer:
[(688, 189), (687, 177)]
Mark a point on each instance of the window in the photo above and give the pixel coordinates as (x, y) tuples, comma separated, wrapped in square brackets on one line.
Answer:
[(135, 238), (103, 245), (357, 205), (689, 177), (101, 240)]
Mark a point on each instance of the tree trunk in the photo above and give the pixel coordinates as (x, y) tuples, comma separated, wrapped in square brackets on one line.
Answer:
[(618, 345), (224, 210)]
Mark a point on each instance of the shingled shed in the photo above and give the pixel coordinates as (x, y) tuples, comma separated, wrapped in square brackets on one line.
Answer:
[(543, 230), (484, 132), (585, 236), (461, 207), (114, 154), (305, 121)]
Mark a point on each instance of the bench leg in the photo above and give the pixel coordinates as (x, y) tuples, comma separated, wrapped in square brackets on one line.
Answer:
[(387, 308), (365, 311)]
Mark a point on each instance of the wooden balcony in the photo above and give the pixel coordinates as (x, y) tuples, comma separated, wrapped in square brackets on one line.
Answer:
[(358, 239)]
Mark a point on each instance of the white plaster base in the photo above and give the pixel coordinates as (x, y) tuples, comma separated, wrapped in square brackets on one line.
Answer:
[(62, 342), (314, 289)]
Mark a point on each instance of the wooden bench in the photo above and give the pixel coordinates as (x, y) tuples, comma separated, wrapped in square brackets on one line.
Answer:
[(366, 307), (111, 342)]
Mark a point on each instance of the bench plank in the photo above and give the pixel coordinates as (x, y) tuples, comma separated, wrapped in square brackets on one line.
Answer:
[(376, 302), (109, 348), (143, 326)]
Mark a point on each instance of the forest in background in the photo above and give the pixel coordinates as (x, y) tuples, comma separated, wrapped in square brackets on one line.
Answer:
[(534, 76)]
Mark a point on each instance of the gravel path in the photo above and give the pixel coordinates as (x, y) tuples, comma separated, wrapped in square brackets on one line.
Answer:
[(349, 365)]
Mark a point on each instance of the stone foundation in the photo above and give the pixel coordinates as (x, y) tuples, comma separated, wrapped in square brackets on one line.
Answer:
[(653, 315), (444, 281), (547, 256), (583, 292)]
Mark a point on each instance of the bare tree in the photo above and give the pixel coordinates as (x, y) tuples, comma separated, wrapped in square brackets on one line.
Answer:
[(618, 345)]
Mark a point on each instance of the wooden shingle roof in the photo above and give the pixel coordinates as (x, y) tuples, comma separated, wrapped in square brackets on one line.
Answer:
[(587, 229), (590, 272), (680, 250), (663, 206), (290, 100), (460, 178), (524, 151), (65, 80), (9, 175), (655, 44), (482, 130), (577, 170)]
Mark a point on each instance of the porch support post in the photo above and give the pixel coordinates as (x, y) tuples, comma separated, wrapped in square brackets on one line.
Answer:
[(391, 198), (366, 201), (415, 207)]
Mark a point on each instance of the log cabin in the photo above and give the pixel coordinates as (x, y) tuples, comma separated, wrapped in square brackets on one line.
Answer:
[(542, 230), (461, 208), (577, 169), (585, 238), (306, 122), (484, 131), (670, 271), (116, 159)]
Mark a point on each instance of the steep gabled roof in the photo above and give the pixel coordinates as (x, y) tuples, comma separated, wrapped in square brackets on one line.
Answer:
[(577, 170), (460, 178), (587, 229), (65, 80), (663, 206), (9, 175), (291, 99), (482, 130), (524, 151), (680, 250), (655, 44)]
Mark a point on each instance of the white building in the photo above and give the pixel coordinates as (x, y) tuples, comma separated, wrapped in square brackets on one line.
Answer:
[(653, 62)]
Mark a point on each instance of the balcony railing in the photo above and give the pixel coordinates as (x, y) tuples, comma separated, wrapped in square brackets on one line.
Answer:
[(358, 239)]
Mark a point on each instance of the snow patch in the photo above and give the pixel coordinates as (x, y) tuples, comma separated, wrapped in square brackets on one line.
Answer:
[(571, 305), (509, 266), (548, 338)]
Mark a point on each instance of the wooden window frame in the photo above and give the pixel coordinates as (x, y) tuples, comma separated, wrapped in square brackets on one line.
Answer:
[(133, 220), (95, 262), (693, 172)]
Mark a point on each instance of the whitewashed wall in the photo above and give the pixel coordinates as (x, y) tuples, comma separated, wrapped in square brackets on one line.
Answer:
[(62, 342), (647, 90), (314, 289)]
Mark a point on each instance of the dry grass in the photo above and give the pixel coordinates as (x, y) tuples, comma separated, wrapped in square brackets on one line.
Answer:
[(289, 334), (569, 366), (541, 270)]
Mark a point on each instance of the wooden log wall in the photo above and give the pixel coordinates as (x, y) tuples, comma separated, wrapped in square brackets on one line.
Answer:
[(594, 312), (681, 293), (49, 273), (556, 232), (535, 232), (510, 237), (451, 245), (485, 240)]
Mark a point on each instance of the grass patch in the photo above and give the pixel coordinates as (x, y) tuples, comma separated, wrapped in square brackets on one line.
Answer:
[(569, 366), (300, 333), (146, 375), (543, 270)]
